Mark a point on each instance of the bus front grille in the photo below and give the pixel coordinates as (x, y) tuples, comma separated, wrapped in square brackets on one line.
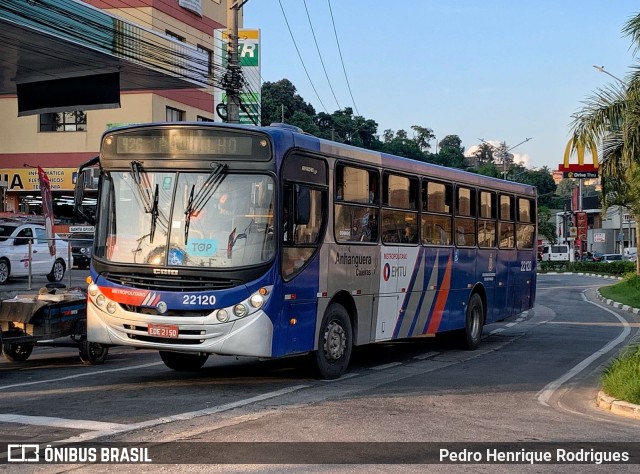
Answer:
[(170, 282)]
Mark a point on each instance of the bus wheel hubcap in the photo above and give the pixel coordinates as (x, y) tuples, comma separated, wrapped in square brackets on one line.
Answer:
[(335, 341)]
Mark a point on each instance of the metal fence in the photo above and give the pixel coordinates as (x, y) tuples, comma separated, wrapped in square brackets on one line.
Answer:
[(72, 277)]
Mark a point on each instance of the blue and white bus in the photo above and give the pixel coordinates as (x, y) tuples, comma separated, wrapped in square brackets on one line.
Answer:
[(266, 242)]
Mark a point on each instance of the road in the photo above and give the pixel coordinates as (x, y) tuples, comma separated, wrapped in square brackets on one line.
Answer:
[(534, 379)]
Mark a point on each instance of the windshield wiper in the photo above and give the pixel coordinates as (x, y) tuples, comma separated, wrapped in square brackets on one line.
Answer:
[(187, 215), (195, 204), (149, 203), (154, 214)]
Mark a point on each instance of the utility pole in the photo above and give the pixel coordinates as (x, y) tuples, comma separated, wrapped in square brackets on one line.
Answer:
[(233, 76), (503, 153)]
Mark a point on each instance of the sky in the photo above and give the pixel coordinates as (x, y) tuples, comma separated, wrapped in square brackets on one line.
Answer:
[(496, 70)]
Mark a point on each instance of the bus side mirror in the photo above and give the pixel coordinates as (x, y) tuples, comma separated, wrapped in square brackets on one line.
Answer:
[(303, 205), (86, 187)]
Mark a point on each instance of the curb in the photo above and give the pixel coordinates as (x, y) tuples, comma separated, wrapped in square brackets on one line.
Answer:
[(598, 275), (618, 407)]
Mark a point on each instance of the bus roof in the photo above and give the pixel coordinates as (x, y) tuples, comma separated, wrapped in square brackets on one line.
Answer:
[(289, 136)]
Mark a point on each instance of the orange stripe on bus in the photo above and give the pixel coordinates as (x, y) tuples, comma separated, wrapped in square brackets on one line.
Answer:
[(441, 300)]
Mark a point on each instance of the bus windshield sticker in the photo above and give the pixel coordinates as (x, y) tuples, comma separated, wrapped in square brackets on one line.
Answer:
[(202, 247)]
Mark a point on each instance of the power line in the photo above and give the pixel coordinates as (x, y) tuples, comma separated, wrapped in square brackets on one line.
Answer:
[(313, 33), (341, 59), (300, 56)]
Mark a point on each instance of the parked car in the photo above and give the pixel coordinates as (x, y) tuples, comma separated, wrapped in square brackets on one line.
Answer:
[(611, 257), (631, 254), (14, 251), (81, 249)]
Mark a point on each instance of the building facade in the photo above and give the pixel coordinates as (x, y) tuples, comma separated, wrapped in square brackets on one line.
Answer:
[(60, 142)]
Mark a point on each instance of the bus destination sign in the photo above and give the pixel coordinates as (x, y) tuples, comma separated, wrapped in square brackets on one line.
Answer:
[(180, 143)]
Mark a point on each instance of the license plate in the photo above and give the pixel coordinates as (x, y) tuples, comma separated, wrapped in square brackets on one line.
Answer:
[(163, 330)]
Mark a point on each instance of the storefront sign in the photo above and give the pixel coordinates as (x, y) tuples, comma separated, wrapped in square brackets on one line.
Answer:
[(81, 229), (26, 179)]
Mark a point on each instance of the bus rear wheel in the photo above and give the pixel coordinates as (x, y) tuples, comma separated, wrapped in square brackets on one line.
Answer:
[(471, 335), (335, 343), (182, 362)]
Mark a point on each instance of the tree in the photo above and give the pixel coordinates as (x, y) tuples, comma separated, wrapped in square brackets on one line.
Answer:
[(400, 145), (451, 152), (280, 101), (423, 137), (611, 117), (546, 227)]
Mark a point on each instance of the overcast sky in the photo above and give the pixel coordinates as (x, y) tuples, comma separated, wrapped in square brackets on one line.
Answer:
[(500, 70)]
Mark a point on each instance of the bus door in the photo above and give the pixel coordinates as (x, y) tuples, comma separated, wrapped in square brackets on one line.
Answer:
[(525, 240), (506, 263), (487, 243), (302, 220), (388, 299), (486, 275)]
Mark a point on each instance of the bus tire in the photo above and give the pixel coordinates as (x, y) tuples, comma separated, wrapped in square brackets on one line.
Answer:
[(471, 335), (335, 343), (182, 362), (93, 353), (17, 352)]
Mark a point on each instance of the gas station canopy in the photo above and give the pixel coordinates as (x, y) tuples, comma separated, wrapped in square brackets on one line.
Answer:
[(60, 54)]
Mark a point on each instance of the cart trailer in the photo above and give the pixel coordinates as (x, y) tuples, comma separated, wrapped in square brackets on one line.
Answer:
[(54, 317)]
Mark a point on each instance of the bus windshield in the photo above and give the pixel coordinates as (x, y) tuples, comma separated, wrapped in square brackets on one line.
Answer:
[(190, 219)]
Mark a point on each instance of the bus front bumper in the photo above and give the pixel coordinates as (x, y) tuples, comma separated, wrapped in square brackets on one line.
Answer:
[(249, 336)]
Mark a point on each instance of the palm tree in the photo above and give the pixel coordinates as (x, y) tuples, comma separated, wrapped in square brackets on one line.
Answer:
[(611, 118)]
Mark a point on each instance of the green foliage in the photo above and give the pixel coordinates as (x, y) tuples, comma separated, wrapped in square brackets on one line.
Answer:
[(625, 292), (546, 227), (280, 99), (489, 169), (611, 268), (621, 378)]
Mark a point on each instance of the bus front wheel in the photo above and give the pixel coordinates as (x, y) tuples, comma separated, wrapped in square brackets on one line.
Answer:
[(335, 342), (471, 335), (182, 362)]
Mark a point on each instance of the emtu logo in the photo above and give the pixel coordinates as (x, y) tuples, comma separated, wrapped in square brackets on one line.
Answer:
[(386, 272)]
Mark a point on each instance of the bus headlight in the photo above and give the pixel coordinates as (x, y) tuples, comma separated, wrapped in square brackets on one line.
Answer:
[(240, 310), (253, 304), (222, 315), (111, 307), (93, 289), (256, 300), (101, 300)]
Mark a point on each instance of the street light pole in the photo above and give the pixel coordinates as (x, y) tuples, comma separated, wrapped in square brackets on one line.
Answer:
[(504, 157), (601, 69)]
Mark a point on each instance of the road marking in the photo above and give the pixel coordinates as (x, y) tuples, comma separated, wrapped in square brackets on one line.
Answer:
[(119, 429), (85, 374), (386, 366), (547, 392), (59, 422), (496, 331), (342, 377), (426, 355), (510, 324), (182, 416)]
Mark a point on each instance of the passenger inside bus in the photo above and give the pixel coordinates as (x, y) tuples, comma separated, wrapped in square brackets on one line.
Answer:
[(409, 235)]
